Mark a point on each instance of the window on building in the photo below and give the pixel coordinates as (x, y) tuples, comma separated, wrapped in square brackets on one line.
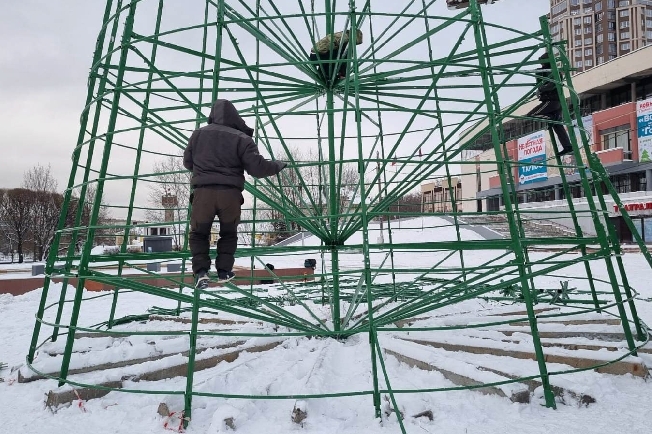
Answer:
[(578, 53), (600, 60), (578, 42), (611, 36), (574, 2), (588, 62), (153, 231), (540, 195), (624, 24), (623, 3), (648, 34), (575, 191), (598, 8), (598, 17), (590, 105), (648, 12), (611, 15), (561, 7), (578, 64), (612, 49), (624, 13), (648, 23), (611, 4), (599, 39), (619, 95), (624, 35), (644, 89), (577, 21), (588, 30), (611, 25), (598, 28), (578, 31), (588, 20), (588, 41), (588, 52), (638, 181), (493, 203), (612, 56), (599, 49), (625, 46), (617, 137), (622, 183), (162, 231)]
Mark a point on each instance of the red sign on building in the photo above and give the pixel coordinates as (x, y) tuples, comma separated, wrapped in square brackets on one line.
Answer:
[(641, 206)]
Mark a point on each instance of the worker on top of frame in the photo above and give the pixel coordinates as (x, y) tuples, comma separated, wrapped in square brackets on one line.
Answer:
[(218, 154), (550, 106), (333, 47)]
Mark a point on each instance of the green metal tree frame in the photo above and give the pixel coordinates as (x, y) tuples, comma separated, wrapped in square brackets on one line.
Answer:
[(141, 101)]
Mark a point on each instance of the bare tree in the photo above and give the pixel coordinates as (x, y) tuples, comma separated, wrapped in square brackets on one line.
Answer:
[(409, 203), (309, 181), (85, 209), (172, 182), (16, 213), (46, 207), (6, 239), (39, 178)]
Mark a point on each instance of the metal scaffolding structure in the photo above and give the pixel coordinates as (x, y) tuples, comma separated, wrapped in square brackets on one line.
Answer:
[(355, 146)]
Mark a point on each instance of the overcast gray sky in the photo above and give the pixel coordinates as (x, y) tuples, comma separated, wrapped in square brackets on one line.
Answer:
[(47, 48)]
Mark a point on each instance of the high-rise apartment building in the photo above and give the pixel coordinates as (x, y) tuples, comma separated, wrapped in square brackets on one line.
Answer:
[(600, 30)]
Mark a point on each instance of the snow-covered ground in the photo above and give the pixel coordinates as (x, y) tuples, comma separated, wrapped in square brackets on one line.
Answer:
[(303, 365)]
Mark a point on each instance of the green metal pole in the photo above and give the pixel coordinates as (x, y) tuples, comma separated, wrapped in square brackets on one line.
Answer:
[(363, 208), (594, 165), (54, 248), (134, 182), (517, 246), (187, 412), (186, 232), (256, 126), (578, 229), (382, 151), (451, 190), (334, 193), (81, 205), (196, 297), (83, 265), (615, 242)]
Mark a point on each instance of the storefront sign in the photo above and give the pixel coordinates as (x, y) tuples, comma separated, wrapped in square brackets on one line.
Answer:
[(639, 206), (532, 150), (644, 115)]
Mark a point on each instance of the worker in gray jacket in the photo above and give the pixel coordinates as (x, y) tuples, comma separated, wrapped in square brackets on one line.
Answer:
[(218, 154)]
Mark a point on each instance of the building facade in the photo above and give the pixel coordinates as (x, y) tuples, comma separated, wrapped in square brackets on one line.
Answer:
[(600, 30), (436, 195), (616, 104)]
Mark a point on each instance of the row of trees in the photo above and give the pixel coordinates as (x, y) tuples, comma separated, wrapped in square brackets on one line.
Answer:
[(29, 215)]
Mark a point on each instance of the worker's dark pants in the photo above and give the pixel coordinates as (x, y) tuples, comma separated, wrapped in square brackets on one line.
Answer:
[(208, 202), (552, 110), (326, 69)]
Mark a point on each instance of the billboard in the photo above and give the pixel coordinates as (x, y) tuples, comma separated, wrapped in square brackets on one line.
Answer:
[(644, 116), (532, 150)]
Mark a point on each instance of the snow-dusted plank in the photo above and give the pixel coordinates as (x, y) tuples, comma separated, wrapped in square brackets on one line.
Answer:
[(577, 359), (458, 372), (112, 358)]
